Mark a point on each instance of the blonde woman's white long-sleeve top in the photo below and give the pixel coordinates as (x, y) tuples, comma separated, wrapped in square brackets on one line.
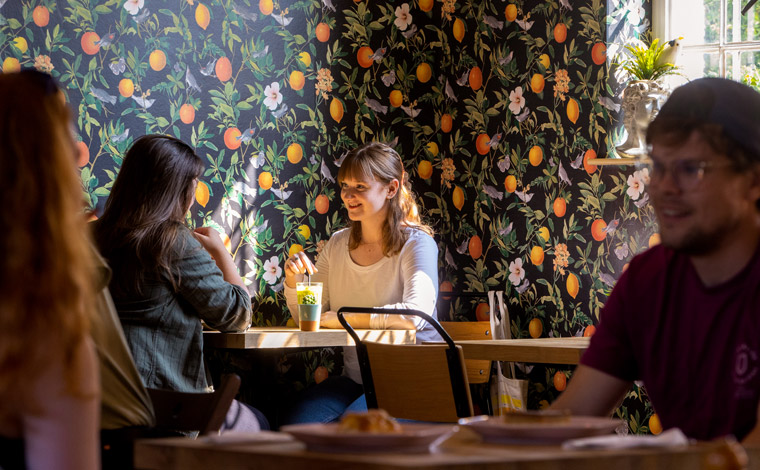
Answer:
[(408, 279)]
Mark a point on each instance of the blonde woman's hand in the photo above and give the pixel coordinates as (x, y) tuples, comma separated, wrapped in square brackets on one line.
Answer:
[(296, 266)]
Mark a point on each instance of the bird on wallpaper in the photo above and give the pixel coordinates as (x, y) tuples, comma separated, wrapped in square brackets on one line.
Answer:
[(524, 24), (449, 258), (523, 115), (340, 159), (504, 164), (118, 67), (449, 91), (258, 161), (493, 192), (578, 162), (494, 142), (411, 111), (566, 5), (244, 12), (282, 19), (260, 53), (389, 78), (329, 4), (493, 22), (643, 201), (670, 52), (563, 175), (280, 112), (611, 227), (208, 70), (503, 232), (411, 31), (375, 106), (462, 248), (522, 287), (507, 59), (143, 101), (2, 2), (379, 54), (102, 95), (120, 137), (281, 193), (244, 189), (608, 103), (246, 135), (393, 143), (606, 278), (524, 196), (325, 172), (462, 81), (622, 251), (190, 80), (177, 68), (106, 40), (142, 16)]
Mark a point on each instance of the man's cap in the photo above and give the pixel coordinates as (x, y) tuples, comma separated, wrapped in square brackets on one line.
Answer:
[(732, 105)]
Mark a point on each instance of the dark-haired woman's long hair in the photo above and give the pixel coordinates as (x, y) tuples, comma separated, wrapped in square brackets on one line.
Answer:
[(146, 210)]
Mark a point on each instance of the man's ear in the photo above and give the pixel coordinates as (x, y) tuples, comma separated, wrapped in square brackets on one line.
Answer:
[(392, 188)]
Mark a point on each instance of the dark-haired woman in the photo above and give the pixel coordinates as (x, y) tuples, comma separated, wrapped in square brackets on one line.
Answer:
[(166, 277)]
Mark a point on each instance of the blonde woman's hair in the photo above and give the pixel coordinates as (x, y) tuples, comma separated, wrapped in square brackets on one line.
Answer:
[(46, 268), (380, 162)]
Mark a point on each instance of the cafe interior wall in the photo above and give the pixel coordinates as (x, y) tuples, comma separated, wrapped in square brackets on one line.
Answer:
[(495, 106)]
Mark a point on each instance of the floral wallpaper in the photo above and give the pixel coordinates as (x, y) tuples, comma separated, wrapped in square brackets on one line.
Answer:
[(496, 106)]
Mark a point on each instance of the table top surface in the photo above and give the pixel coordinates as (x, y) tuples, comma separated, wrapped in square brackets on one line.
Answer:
[(463, 450), (264, 337)]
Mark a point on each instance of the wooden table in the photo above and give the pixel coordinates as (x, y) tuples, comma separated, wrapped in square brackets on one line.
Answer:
[(540, 350), (283, 337), (462, 451)]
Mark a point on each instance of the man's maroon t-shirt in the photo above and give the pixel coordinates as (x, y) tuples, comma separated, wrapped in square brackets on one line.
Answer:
[(696, 348)]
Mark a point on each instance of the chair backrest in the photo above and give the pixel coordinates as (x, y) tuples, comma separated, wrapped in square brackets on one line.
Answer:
[(478, 370), (415, 382), (204, 412)]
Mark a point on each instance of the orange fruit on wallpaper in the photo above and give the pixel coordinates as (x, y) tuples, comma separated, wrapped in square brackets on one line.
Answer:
[(475, 247), (535, 328), (227, 242), (11, 64), (223, 69), (187, 113), (363, 57), (560, 381), (396, 98), (202, 16), (510, 12), (483, 312), (84, 154), (654, 424), (157, 60), (599, 53), (446, 286), (597, 229), (476, 78), (321, 204), (265, 180), (589, 155), (537, 255), (424, 72), (305, 231), (297, 80), (320, 374), (425, 169), (572, 285), (295, 153), (323, 32), (458, 30), (537, 83), (231, 140), (543, 59), (481, 144), (589, 331), (202, 193), (266, 7), (41, 16), (126, 87), (88, 43), (336, 109), (510, 183), (305, 58), (560, 32), (559, 207), (457, 197), (654, 240), (446, 123), (426, 5), (572, 110), (536, 155)]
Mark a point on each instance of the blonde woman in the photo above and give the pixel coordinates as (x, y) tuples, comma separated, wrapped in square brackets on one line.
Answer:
[(49, 386), (385, 258)]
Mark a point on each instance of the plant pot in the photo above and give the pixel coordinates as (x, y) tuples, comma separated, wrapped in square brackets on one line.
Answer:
[(642, 100)]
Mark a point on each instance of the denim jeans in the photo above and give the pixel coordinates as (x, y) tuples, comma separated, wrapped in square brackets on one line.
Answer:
[(326, 402)]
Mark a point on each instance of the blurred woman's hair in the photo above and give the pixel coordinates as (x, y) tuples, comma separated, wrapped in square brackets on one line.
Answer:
[(378, 161), (46, 268), (146, 210)]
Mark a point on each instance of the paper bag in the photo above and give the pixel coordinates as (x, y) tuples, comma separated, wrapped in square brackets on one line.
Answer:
[(508, 394)]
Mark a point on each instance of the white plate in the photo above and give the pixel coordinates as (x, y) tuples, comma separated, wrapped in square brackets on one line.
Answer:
[(413, 437), (494, 429)]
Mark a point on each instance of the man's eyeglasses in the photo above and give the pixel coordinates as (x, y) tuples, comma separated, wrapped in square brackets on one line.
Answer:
[(687, 174)]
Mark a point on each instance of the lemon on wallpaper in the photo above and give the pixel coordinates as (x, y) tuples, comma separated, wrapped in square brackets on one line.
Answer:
[(543, 232), (41, 16), (424, 72), (187, 113), (425, 169), (654, 240), (295, 153), (432, 147), (537, 255), (572, 110), (202, 16), (11, 64), (536, 155), (396, 98), (126, 87), (305, 58), (426, 5), (458, 30), (21, 44), (266, 7), (295, 248), (296, 80), (537, 83), (88, 42), (305, 231), (446, 123), (336, 109), (202, 193), (535, 328), (572, 285), (457, 197), (223, 69), (510, 12), (265, 180), (543, 59), (157, 60)]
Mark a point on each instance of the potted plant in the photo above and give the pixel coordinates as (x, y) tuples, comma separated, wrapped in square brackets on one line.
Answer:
[(651, 61)]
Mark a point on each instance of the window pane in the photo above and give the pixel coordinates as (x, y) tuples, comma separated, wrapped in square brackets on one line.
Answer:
[(741, 64), (699, 64), (698, 21), (742, 27)]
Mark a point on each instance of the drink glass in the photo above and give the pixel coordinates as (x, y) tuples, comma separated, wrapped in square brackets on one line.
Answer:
[(309, 305)]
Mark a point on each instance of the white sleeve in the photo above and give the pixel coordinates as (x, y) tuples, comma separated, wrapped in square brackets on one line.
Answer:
[(419, 272), (323, 268)]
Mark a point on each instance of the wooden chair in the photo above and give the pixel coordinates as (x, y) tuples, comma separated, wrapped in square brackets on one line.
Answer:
[(478, 371), (415, 382), (204, 412)]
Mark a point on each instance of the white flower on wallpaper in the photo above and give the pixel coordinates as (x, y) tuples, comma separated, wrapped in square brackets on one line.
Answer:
[(403, 17), (272, 270), (516, 271), (133, 6), (273, 96), (637, 183), (517, 101)]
